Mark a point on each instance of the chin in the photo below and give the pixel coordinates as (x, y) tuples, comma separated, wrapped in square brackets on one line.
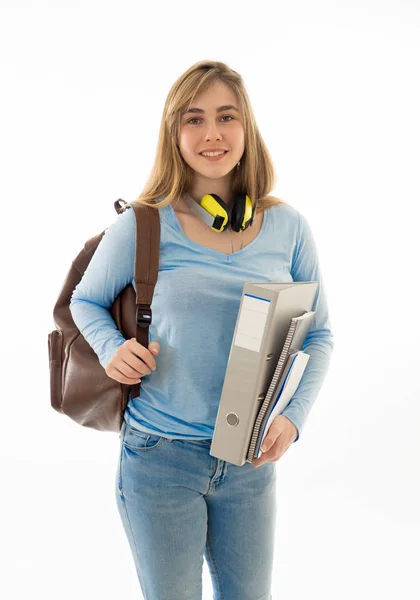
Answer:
[(210, 167), (213, 174)]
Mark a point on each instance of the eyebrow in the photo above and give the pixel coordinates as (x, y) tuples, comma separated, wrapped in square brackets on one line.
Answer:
[(219, 109)]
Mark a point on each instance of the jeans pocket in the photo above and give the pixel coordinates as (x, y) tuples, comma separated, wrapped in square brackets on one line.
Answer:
[(139, 440)]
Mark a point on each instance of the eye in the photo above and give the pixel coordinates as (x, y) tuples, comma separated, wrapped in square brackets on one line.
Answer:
[(224, 117)]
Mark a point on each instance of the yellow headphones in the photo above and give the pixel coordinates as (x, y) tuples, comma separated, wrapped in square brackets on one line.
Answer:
[(213, 211)]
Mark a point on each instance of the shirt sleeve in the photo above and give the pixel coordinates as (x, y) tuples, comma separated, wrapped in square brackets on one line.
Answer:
[(319, 340), (110, 270)]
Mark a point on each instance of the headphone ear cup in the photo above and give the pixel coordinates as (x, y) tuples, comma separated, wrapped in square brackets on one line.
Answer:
[(212, 211), (237, 213), (242, 206)]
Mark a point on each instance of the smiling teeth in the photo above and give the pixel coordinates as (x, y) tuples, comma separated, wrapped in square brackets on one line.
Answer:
[(212, 153)]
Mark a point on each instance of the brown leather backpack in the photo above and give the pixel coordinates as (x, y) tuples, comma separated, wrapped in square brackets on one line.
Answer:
[(80, 387)]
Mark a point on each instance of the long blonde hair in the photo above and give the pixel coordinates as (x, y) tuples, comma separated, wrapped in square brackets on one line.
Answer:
[(171, 176)]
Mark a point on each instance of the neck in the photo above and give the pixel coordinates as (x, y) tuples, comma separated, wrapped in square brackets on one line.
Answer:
[(221, 187)]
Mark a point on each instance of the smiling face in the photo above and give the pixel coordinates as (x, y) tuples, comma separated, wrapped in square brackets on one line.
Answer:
[(206, 127)]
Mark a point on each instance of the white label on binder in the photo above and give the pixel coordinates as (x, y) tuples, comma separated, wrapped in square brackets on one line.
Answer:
[(253, 317)]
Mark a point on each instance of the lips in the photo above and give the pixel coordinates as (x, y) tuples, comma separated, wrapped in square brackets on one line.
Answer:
[(214, 158)]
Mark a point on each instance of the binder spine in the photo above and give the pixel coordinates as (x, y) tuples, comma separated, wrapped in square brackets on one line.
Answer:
[(274, 381)]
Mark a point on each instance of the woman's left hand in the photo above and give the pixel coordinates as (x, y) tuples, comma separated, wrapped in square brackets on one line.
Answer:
[(280, 435)]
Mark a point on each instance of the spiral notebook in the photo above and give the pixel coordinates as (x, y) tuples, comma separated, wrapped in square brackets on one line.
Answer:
[(272, 323), (285, 381)]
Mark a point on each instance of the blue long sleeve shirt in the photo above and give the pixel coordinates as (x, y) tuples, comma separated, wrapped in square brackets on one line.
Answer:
[(195, 307)]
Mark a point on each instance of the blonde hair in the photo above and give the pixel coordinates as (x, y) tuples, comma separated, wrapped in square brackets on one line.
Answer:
[(171, 176)]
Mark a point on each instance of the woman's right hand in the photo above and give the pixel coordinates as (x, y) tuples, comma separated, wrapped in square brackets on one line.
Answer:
[(131, 361)]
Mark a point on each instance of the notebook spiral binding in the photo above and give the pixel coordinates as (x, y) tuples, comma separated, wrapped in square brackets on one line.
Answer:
[(260, 421)]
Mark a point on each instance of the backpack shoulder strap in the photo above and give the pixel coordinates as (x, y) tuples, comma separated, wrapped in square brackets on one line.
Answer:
[(146, 270), (146, 267), (147, 251)]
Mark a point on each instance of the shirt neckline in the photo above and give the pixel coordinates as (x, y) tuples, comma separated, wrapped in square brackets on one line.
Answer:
[(205, 249)]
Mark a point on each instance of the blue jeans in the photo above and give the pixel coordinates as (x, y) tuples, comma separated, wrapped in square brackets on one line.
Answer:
[(178, 503)]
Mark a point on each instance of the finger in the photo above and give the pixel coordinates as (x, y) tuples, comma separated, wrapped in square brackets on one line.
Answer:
[(119, 376), (133, 366), (267, 443), (154, 347), (259, 461), (143, 353)]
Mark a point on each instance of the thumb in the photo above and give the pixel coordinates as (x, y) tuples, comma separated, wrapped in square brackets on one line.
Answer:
[(154, 347), (267, 443)]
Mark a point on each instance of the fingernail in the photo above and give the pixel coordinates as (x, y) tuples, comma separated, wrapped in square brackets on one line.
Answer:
[(264, 448)]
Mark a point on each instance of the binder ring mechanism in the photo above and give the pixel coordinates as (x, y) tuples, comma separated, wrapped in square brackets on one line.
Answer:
[(143, 315)]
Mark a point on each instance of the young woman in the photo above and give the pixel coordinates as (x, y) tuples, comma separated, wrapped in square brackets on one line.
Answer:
[(219, 228)]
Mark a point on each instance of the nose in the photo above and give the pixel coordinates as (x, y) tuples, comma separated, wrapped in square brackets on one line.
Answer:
[(213, 130)]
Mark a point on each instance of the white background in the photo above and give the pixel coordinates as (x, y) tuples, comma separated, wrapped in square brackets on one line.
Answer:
[(335, 89)]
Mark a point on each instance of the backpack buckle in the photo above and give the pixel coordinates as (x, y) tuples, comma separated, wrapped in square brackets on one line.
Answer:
[(143, 315)]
